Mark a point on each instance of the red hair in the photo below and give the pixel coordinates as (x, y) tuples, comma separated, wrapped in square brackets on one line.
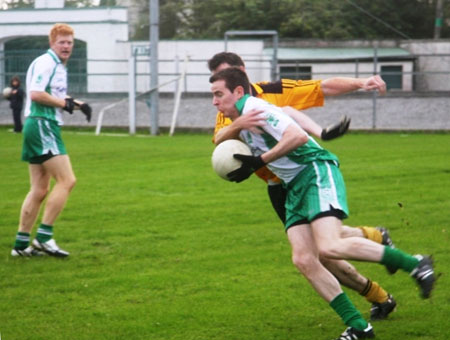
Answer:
[(59, 29)]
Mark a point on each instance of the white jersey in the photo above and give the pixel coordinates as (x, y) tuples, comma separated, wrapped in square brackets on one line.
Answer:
[(46, 73), (266, 137)]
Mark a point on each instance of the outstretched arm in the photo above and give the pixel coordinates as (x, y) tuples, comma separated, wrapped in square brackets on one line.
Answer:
[(304, 121), (341, 85)]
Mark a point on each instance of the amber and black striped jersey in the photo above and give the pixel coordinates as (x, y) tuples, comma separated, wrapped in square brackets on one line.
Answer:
[(299, 94)]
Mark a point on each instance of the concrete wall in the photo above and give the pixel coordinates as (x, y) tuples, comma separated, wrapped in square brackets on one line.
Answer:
[(433, 56)]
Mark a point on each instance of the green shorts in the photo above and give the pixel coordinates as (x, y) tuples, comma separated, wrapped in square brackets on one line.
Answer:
[(318, 190), (41, 140)]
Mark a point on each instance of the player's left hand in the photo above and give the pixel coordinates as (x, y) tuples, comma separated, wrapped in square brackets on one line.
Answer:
[(87, 110), (336, 130), (79, 105), (249, 165)]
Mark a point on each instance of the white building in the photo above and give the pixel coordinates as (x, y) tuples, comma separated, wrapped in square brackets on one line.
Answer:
[(105, 31)]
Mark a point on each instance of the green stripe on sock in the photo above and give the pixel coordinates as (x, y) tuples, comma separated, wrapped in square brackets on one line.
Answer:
[(348, 312), (398, 259)]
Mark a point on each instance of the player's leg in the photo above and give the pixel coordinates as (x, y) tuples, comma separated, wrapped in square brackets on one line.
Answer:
[(277, 195), (305, 258), (327, 232), (60, 168), (39, 186), (326, 206), (376, 234), (382, 302)]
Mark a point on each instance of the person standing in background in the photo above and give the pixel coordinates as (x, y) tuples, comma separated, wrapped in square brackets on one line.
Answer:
[(16, 103)]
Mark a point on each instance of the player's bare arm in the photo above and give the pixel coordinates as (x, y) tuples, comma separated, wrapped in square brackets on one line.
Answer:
[(68, 104), (292, 138), (304, 121), (249, 121), (341, 85), (45, 98)]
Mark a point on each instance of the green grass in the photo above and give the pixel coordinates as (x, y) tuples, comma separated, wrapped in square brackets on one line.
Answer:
[(162, 248)]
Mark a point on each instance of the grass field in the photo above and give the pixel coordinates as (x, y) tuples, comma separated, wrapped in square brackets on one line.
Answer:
[(163, 249)]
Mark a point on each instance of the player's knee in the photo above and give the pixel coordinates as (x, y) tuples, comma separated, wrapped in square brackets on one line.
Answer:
[(330, 251), (305, 263), (39, 193), (69, 182)]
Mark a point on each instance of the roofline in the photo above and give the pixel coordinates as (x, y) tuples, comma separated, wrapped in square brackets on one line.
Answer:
[(113, 22), (62, 9), (346, 60)]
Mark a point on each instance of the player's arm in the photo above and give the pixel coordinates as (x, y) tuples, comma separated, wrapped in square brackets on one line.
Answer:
[(292, 138), (341, 85), (68, 104), (304, 121), (47, 99), (249, 121), (330, 132)]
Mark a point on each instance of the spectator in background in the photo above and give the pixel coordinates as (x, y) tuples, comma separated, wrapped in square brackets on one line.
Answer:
[(16, 103)]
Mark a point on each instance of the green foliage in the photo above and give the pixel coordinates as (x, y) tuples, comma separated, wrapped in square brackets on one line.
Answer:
[(318, 19), (321, 19), (161, 248)]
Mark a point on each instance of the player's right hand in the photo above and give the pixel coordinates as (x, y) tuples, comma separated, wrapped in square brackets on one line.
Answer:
[(336, 130), (252, 120), (69, 105), (249, 165)]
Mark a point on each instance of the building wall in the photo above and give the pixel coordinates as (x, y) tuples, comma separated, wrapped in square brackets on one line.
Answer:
[(100, 28), (433, 56), (105, 31)]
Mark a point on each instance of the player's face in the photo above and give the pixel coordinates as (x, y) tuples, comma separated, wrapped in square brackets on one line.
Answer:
[(63, 46), (224, 99)]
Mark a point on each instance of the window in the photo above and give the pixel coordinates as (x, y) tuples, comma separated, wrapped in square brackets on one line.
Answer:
[(393, 76), (295, 72)]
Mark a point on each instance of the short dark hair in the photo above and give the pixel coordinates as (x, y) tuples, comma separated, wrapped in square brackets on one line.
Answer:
[(230, 58), (233, 77), (15, 78)]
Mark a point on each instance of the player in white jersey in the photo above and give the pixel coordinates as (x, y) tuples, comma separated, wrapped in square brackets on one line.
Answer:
[(316, 199), (43, 147)]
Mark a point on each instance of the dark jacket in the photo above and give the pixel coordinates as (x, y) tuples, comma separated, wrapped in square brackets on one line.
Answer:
[(16, 99)]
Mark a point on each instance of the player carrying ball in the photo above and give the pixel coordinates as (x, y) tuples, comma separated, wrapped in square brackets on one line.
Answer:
[(297, 94), (316, 200)]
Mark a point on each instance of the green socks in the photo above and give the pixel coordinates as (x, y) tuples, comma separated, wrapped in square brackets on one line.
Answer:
[(398, 259), (44, 233), (22, 240), (348, 312)]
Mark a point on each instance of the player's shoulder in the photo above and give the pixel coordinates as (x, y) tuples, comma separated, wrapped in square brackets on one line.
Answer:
[(268, 87), (45, 61)]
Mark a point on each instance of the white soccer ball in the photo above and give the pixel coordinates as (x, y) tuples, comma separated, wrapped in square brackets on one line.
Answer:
[(222, 158), (7, 92)]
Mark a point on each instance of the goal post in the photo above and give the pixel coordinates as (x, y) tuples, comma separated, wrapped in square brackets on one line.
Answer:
[(133, 96)]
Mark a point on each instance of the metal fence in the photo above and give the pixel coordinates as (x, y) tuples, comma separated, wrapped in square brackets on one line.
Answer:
[(428, 73)]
